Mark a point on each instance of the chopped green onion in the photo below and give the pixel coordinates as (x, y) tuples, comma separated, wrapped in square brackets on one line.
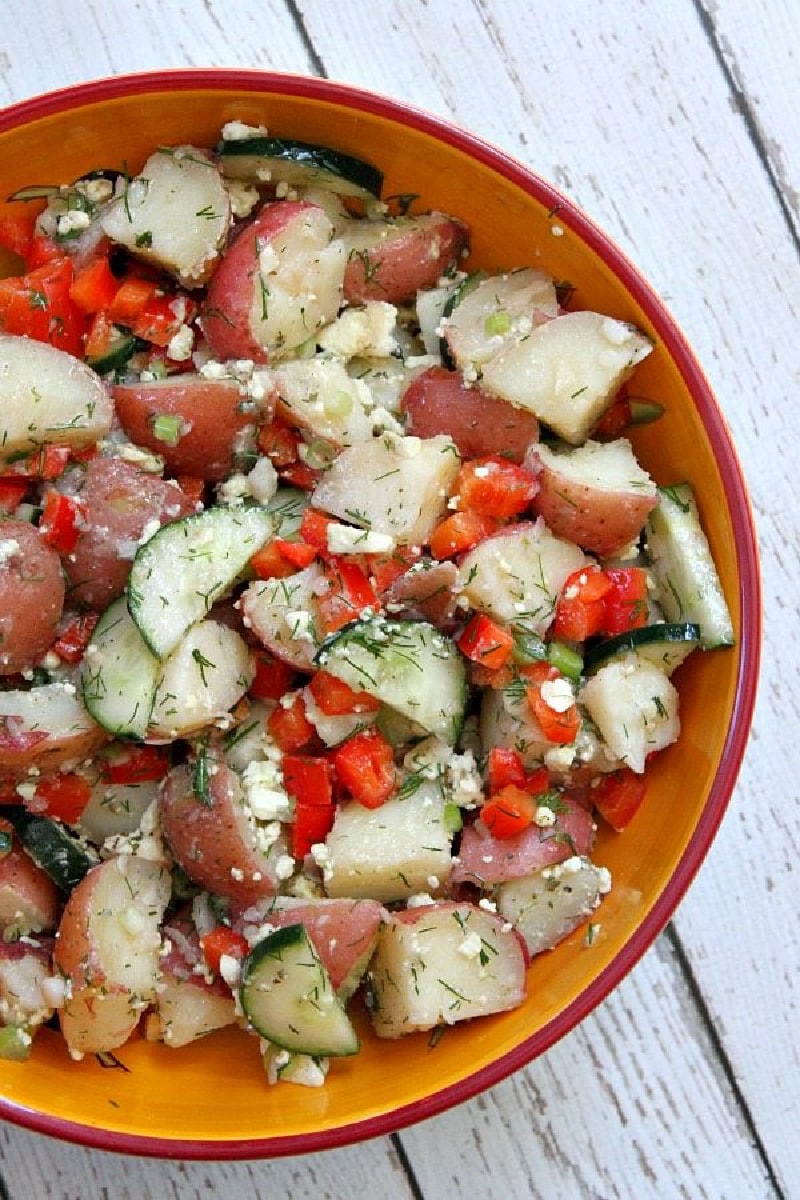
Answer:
[(528, 648), (497, 324), (167, 428), (5, 843), (644, 412), (452, 818), (15, 1043), (565, 659), (340, 404)]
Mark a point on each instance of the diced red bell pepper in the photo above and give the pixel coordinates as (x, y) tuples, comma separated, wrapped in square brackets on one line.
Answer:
[(300, 476), (508, 811), (618, 796), (336, 699), (137, 764), (94, 287), (63, 797), (560, 728), (625, 605), (504, 765), (273, 677), (38, 305), (298, 554), (60, 522), (385, 569), (349, 594), (495, 487), (222, 940), (98, 337), (12, 493), (16, 231), (289, 726), (459, 533), (580, 608), (615, 420), (364, 767), (74, 636), (48, 462), (130, 300), (485, 642), (279, 443), (269, 563), (312, 824), (314, 529)]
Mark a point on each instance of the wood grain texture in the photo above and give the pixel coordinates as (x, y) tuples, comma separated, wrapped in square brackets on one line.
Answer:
[(628, 107)]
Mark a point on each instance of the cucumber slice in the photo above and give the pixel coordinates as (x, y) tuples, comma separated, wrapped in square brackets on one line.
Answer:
[(120, 350), (287, 507), (65, 858), (688, 583), (665, 645), (119, 676), (299, 164), (287, 997), (187, 566), (408, 665)]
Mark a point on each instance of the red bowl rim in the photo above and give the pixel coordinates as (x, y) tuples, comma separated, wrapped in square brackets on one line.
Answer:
[(224, 79)]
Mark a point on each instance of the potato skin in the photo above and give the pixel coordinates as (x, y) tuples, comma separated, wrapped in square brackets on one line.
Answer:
[(411, 257), (213, 412), (594, 518), (119, 501), (439, 401), (31, 597), (210, 840), (226, 312), (29, 900)]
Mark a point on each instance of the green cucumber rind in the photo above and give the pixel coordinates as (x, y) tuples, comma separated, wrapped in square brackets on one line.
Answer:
[(103, 683), (647, 635), (447, 721), (270, 971), (208, 563), (52, 847), (292, 160)]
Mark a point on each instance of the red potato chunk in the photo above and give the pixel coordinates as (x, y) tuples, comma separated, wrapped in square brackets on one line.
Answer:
[(393, 260), (443, 963), (429, 591), (120, 501), (28, 991), (596, 496), (278, 283), (214, 416), (107, 950), (484, 859), (343, 932), (439, 401), (47, 728), (218, 843), (29, 900), (31, 596)]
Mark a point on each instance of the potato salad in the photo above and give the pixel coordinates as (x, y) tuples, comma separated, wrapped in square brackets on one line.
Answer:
[(336, 611)]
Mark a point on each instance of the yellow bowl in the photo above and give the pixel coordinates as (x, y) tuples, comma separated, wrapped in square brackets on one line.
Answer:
[(210, 1100)]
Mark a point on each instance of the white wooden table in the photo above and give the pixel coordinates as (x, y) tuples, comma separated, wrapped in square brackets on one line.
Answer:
[(675, 126)]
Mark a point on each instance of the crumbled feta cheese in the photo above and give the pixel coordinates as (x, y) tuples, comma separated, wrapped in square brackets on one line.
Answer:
[(559, 758), (557, 230), (419, 900), (230, 969), (181, 344), (145, 460), (343, 539), (73, 221), (544, 817), (242, 196), (557, 694), (266, 796), (214, 370), (9, 548), (471, 945), (603, 880), (233, 489), (301, 624), (284, 867), (262, 481), (238, 131)]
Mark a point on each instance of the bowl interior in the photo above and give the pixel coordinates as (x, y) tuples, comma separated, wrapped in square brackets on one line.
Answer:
[(211, 1099)]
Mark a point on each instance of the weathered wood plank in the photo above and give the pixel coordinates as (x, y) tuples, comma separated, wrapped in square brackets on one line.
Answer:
[(36, 1168), (607, 1112), (760, 46)]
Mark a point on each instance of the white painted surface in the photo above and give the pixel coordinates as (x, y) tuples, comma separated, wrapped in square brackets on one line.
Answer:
[(685, 1083)]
